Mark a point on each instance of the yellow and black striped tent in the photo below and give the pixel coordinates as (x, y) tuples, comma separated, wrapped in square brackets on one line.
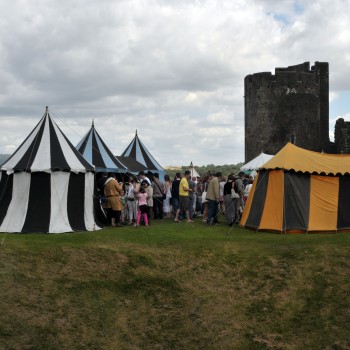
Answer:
[(300, 191)]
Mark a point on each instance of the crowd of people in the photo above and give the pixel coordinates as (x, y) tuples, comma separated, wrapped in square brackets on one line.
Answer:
[(142, 198)]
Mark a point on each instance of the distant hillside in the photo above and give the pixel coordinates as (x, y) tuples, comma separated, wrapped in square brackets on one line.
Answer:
[(4, 157)]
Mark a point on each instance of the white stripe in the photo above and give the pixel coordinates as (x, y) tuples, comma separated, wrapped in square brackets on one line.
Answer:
[(42, 160), (59, 191), (72, 160), (89, 204), (17, 210)]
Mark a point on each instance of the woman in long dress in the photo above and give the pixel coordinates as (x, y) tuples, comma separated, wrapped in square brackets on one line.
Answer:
[(166, 201)]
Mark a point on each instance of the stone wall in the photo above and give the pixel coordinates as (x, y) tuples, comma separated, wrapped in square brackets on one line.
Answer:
[(291, 104), (342, 136)]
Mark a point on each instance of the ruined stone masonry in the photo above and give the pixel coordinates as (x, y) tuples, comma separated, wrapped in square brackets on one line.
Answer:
[(291, 105)]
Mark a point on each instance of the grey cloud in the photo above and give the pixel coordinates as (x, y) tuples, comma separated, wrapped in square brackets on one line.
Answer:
[(172, 69)]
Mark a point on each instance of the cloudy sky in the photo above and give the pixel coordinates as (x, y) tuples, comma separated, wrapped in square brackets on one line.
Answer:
[(172, 69)]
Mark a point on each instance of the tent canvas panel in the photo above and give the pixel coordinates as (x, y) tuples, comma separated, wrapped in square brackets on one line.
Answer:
[(75, 198), (89, 214), (323, 203), (17, 209), (97, 155), (272, 215), (37, 217), (344, 203), (59, 213), (258, 201), (6, 183), (248, 204), (296, 201)]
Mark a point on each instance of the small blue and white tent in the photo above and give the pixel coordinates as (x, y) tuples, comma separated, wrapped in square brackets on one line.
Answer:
[(139, 152), (96, 152)]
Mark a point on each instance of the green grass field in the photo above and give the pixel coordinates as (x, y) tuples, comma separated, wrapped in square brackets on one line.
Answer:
[(175, 286)]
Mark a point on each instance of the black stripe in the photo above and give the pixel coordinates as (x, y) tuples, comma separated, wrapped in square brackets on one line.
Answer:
[(76, 201), (81, 159), (39, 204), (97, 159), (132, 152), (296, 201), (5, 194), (344, 203), (26, 161), (58, 160), (110, 154), (258, 203), (82, 147)]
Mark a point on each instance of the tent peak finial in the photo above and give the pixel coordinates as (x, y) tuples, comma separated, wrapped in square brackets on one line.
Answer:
[(136, 132), (92, 122), (47, 109)]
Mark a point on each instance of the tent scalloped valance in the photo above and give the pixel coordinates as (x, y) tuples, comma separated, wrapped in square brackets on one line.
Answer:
[(293, 158)]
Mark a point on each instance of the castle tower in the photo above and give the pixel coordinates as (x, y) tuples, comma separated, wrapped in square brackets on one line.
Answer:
[(292, 105)]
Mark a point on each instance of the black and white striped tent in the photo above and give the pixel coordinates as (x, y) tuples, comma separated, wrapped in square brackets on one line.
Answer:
[(96, 152), (137, 150), (46, 185)]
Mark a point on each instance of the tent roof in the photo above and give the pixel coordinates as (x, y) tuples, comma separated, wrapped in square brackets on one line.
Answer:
[(95, 151), (291, 157), (257, 162), (193, 171), (46, 149), (133, 165), (138, 151)]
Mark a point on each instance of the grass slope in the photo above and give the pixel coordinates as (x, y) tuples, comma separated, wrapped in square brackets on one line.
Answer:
[(175, 286)]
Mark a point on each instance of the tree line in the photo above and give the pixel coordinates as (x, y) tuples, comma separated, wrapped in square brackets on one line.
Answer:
[(224, 169)]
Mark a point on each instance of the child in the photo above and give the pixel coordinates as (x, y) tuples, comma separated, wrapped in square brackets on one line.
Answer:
[(143, 208)]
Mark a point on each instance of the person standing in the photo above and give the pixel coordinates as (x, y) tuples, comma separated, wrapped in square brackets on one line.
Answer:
[(112, 191), (143, 177), (230, 204), (149, 190), (100, 184), (240, 190), (131, 200), (222, 184), (167, 191), (184, 201), (175, 192), (142, 207), (158, 191), (191, 195), (213, 198)]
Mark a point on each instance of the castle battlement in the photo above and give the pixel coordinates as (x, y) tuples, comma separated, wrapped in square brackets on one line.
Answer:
[(293, 101)]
